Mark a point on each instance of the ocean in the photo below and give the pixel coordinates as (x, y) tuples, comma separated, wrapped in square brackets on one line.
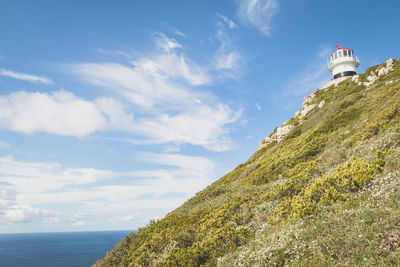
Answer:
[(68, 249)]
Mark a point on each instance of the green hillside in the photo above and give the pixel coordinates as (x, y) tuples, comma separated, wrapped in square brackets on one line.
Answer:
[(327, 194)]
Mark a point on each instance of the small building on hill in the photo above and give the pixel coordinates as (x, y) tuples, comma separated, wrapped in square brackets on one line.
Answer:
[(343, 63)]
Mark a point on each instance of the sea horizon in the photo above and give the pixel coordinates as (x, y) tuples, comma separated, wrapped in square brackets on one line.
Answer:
[(77, 231), (61, 249)]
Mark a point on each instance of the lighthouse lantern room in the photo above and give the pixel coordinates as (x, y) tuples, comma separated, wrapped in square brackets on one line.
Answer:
[(342, 63)]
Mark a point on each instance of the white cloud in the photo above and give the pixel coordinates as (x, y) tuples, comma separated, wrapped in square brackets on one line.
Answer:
[(25, 77), (35, 177), (176, 31), (162, 88), (126, 218), (26, 186), (258, 13), (258, 107), (79, 223), (23, 213), (227, 58), (186, 164), (62, 113), (165, 43), (150, 82), (203, 125), (228, 21), (59, 113)]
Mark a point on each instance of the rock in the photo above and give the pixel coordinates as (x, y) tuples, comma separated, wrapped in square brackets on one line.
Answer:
[(306, 107), (267, 140), (262, 145), (281, 132), (388, 82), (308, 99), (334, 82), (355, 78), (371, 78), (321, 104), (389, 63), (382, 71), (304, 111)]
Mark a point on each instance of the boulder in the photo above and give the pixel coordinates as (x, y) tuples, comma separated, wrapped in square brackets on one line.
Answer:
[(382, 71), (305, 110), (281, 132), (388, 82), (390, 63), (308, 99), (321, 104)]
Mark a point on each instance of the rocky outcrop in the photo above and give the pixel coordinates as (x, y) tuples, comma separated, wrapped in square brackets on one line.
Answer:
[(375, 74), (278, 136), (281, 132), (305, 110), (334, 82), (308, 106)]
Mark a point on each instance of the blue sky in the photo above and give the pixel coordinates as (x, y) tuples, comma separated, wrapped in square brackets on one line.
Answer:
[(114, 113)]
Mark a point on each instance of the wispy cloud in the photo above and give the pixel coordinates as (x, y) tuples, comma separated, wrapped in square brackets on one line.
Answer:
[(258, 13), (25, 77), (165, 43), (26, 186), (228, 21), (227, 58), (258, 107), (162, 89), (176, 31), (160, 100)]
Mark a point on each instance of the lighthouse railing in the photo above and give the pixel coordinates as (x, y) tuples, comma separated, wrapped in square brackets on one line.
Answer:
[(341, 59)]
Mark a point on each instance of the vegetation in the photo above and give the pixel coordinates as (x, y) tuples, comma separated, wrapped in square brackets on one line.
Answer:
[(328, 194)]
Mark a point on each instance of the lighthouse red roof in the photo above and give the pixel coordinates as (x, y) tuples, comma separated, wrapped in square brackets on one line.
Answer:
[(340, 48)]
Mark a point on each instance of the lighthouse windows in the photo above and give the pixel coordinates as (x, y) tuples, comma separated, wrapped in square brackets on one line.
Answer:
[(342, 53)]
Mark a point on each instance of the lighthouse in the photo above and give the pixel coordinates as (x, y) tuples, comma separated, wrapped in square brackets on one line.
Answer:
[(342, 63)]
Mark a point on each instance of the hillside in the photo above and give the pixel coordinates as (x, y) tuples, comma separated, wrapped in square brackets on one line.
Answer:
[(327, 191)]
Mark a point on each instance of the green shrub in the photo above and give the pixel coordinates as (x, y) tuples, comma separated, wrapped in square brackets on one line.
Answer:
[(328, 189)]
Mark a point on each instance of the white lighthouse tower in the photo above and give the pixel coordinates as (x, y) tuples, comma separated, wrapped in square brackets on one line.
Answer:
[(342, 63)]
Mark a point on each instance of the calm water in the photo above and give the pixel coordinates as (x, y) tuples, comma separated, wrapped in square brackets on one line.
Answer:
[(72, 249)]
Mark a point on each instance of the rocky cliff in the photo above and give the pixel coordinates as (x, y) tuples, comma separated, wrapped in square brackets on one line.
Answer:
[(307, 106), (323, 190)]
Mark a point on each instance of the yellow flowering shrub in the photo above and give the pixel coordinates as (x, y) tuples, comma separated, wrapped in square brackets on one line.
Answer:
[(328, 189)]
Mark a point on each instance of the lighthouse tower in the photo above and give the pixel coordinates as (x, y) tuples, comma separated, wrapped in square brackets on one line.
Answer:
[(342, 63)]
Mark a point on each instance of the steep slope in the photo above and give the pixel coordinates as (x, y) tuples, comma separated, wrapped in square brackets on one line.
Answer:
[(327, 192)]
